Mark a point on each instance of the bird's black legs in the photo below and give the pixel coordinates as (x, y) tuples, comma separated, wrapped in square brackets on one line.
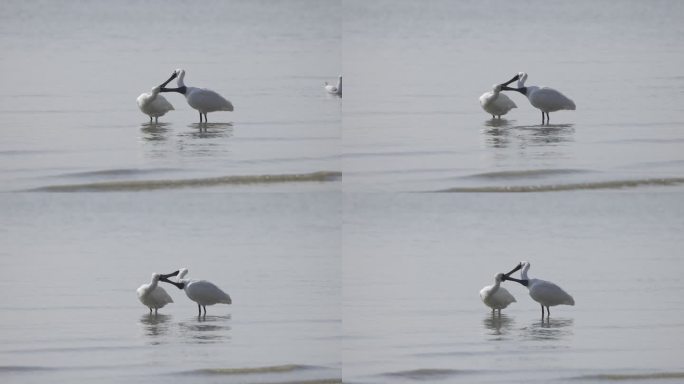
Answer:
[(548, 120), (543, 124), (205, 118), (200, 117), (150, 307), (548, 310), (199, 309), (150, 122), (204, 306)]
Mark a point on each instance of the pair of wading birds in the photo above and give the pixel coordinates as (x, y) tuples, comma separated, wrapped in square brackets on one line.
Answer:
[(543, 98), (200, 291), (543, 292), (203, 100)]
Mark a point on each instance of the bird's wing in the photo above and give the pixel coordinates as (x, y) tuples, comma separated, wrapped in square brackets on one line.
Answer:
[(159, 295), (206, 99)]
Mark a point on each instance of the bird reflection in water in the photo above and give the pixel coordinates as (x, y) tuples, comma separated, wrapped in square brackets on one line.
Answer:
[(155, 325), (549, 329), (498, 324), (205, 130), (206, 329), (154, 131)]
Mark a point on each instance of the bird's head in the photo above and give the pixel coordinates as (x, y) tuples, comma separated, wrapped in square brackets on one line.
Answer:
[(156, 277), (499, 277), (179, 71)]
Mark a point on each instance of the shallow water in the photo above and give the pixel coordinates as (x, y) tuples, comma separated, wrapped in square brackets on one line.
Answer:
[(69, 116), (411, 282), (73, 262), (416, 125)]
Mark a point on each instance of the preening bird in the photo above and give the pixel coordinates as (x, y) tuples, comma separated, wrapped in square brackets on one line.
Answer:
[(495, 296), (543, 292), (153, 104), (545, 99), (152, 295), (200, 291), (496, 103), (334, 89), (202, 99)]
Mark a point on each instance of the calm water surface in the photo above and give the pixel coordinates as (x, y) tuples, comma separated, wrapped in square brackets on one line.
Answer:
[(415, 71), (411, 302), (335, 276)]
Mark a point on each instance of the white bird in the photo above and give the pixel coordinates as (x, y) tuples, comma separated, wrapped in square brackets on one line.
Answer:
[(152, 295), (334, 89), (496, 103), (153, 104), (202, 99), (495, 296), (545, 99), (200, 291), (543, 292)]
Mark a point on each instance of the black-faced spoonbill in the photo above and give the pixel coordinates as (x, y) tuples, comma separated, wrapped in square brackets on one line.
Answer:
[(545, 99), (153, 104), (334, 89), (495, 296), (202, 99), (543, 292), (152, 295), (496, 103), (200, 291)]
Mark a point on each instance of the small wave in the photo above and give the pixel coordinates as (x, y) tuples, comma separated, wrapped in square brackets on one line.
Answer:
[(425, 374), (632, 376), (254, 370), (525, 173), (615, 184), (146, 185), (24, 368), (117, 172)]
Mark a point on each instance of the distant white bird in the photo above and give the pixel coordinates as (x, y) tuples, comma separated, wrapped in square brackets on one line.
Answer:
[(543, 292), (334, 89), (202, 99), (545, 99), (152, 295), (496, 103), (153, 104), (495, 296), (200, 291)]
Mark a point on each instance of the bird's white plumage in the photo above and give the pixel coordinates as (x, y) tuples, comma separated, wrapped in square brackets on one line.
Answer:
[(495, 296), (152, 295), (334, 89), (496, 103), (544, 98), (545, 292), (202, 99), (153, 104), (206, 293)]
